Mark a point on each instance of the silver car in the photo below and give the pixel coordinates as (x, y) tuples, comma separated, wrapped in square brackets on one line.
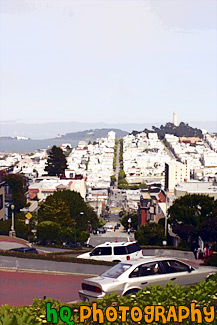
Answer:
[(130, 277)]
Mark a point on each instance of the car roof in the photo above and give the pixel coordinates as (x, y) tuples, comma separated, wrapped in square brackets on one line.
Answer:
[(116, 244), (147, 259)]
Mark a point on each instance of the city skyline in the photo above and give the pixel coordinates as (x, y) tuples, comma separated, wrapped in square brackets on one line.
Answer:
[(108, 61)]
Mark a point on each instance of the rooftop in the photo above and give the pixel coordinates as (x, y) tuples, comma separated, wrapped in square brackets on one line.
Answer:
[(206, 187)]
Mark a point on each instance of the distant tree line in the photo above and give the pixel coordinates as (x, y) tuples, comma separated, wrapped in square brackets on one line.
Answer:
[(181, 130)]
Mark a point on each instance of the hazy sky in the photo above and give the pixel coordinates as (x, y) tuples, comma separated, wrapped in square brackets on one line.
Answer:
[(111, 61)]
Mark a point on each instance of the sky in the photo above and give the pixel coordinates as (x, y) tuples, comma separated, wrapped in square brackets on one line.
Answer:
[(113, 61)]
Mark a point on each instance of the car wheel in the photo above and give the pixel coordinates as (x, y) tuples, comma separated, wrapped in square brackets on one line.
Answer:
[(116, 261), (130, 292)]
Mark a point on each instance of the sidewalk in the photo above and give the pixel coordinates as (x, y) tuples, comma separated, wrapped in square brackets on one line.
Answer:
[(7, 242)]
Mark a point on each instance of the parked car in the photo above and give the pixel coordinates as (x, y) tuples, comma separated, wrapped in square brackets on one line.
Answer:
[(115, 251), (73, 245), (25, 250), (102, 230), (87, 245), (131, 276)]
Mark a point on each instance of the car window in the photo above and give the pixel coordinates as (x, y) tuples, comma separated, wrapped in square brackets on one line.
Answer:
[(132, 248), (101, 251), (120, 250), (116, 270), (146, 269), (175, 266)]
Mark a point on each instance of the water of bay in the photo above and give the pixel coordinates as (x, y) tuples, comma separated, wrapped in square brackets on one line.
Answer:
[(29, 146)]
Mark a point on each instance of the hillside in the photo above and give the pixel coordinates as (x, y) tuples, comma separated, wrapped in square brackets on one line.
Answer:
[(181, 130), (92, 134)]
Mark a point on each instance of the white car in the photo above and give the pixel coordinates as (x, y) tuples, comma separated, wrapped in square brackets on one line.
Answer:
[(115, 252), (131, 276), (109, 228)]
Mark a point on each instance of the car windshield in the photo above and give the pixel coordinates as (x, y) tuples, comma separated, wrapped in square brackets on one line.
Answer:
[(116, 270)]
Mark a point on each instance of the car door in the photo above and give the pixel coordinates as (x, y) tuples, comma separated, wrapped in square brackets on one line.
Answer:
[(180, 273), (146, 274)]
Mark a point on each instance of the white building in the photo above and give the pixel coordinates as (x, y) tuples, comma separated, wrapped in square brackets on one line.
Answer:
[(176, 172), (44, 186), (196, 187)]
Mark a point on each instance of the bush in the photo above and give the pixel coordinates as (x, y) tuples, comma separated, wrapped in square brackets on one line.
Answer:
[(48, 231), (20, 227), (5, 227)]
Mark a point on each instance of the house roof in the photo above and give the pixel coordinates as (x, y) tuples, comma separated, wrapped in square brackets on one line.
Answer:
[(146, 196), (60, 186)]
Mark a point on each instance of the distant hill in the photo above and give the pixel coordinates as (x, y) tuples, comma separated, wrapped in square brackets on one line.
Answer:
[(169, 128), (52, 129), (92, 134), (181, 130)]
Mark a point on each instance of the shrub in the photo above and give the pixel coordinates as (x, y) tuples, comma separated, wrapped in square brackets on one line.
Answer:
[(57, 257), (48, 231)]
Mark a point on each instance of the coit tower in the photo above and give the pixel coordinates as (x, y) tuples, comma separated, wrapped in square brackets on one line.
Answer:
[(175, 118)]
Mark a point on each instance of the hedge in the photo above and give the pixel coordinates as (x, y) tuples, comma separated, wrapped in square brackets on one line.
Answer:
[(204, 294), (57, 257)]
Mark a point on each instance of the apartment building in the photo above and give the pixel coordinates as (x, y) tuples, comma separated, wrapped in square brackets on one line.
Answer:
[(44, 186), (176, 172)]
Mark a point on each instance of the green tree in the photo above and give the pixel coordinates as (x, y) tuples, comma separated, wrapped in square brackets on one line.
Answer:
[(134, 220), (209, 230), (68, 209), (57, 210), (56, 162), (16, 184), (143, 185), (188, 214), (113, 179), (121, 175), (82, 236), (92, 217), (150, 234)]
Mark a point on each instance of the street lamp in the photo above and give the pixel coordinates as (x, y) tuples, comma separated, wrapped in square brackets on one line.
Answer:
[(12, 233)]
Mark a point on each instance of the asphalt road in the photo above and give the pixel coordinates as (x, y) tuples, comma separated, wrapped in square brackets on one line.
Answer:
[(119, 235), (20, 288)]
